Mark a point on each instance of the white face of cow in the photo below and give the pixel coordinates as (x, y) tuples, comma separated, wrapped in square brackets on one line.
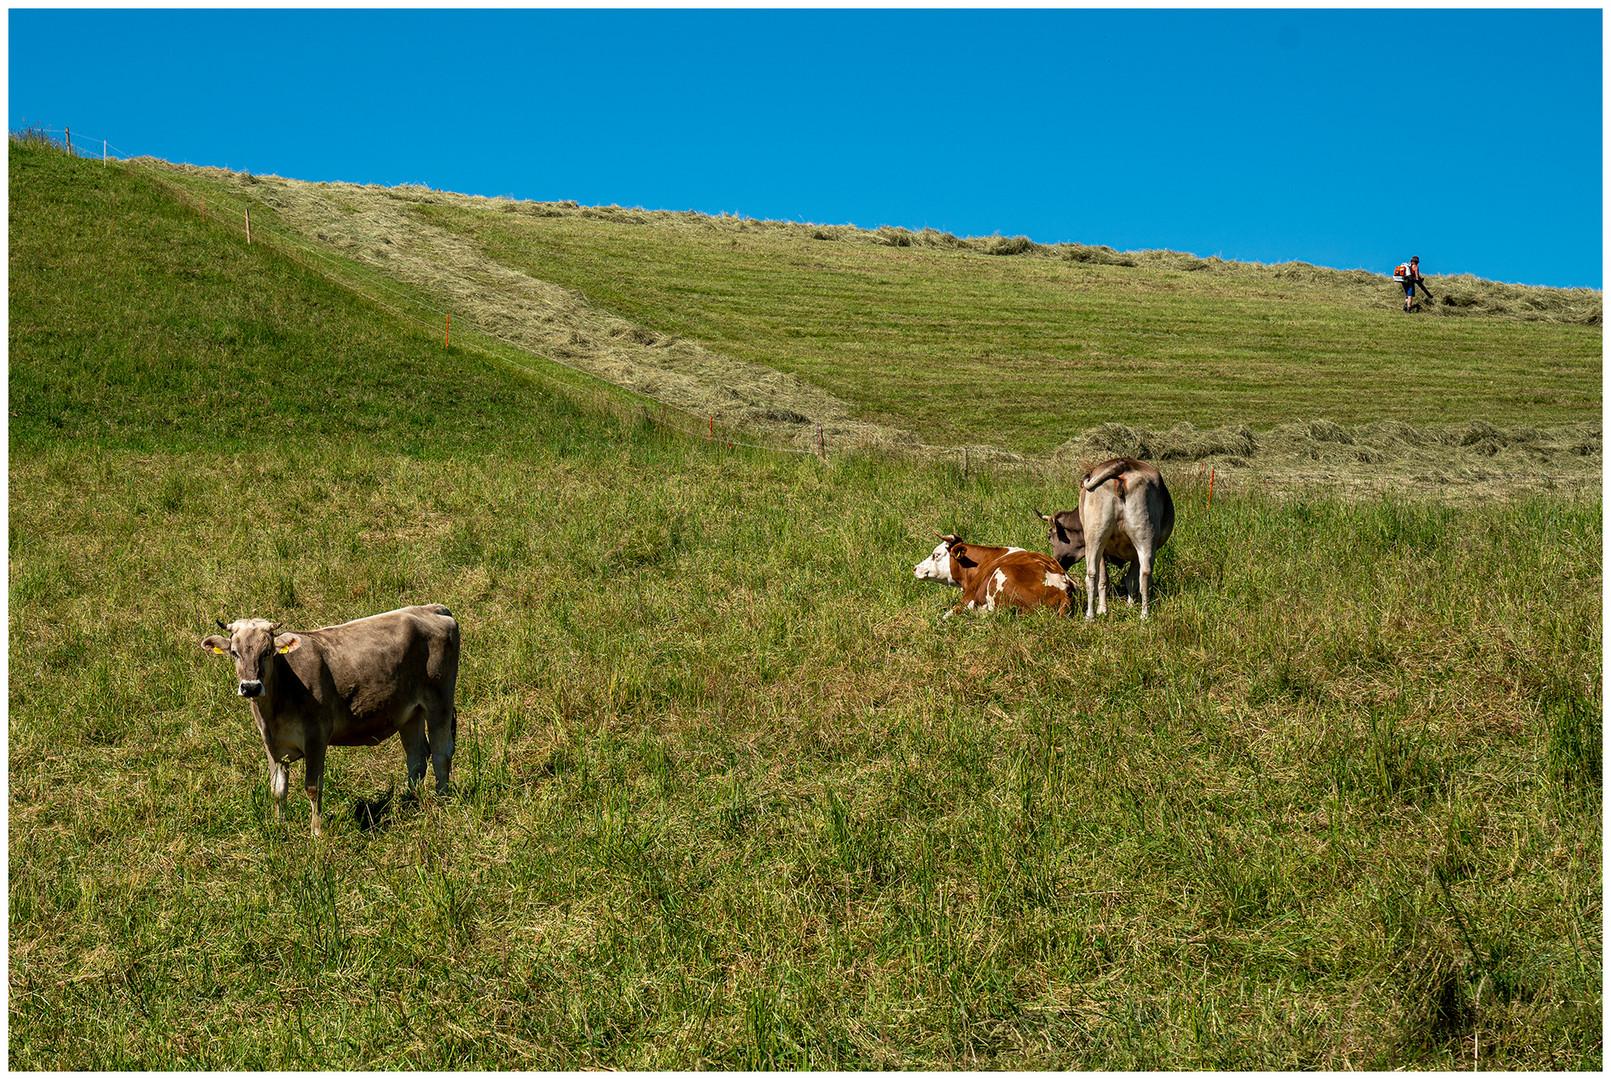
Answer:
[(251, 644), (937, 567)]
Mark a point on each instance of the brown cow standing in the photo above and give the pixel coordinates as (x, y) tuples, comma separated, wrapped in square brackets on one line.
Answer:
[(992, 577), (348, 685), (1126, 513)]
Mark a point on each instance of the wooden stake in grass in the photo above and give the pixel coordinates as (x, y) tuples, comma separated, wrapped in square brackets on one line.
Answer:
[(248, 226), (1210, 492), (447, 330)]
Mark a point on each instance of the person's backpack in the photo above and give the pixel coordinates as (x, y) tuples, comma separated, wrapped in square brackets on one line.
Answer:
[(1401, 272)]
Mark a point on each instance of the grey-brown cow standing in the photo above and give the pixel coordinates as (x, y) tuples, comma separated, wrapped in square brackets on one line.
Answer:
[(1126, 513), (348, 685)]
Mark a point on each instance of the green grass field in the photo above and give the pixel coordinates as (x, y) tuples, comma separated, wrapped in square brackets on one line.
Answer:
[(728, 793)]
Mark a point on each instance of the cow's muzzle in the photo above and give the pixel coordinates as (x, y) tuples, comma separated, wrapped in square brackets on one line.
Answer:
[(250, 688)]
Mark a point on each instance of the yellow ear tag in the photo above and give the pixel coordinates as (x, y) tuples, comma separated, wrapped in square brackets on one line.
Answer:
[(217, 650), (285, 648)]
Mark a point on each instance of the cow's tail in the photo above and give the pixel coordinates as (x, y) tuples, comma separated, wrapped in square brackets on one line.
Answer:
[(1106, 473)]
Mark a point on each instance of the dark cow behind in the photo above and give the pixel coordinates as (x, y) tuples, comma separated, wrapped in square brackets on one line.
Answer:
[(350, 685)]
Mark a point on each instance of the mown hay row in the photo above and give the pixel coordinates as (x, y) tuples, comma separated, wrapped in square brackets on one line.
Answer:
[(1475, 455)]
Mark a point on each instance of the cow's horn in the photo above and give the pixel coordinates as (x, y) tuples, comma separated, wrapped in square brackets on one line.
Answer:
[(220, 623)]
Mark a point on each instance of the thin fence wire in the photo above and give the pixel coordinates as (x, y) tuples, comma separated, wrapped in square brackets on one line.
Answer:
[(80, 145), (343, 271)]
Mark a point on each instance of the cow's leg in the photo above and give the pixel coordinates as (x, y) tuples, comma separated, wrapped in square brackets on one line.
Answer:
[(1096, 570), (1096, 587), (1091, 571), (313, 782), (1144, 536), (279, 785), (1144, 573), (444, 723), (415, 745)]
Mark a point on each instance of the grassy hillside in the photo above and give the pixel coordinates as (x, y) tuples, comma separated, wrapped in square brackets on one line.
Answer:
[(135, 324), (728, 794), (1061, 344), (949, 341)]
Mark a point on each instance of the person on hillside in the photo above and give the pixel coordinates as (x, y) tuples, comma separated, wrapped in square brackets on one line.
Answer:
[(1410, 275)]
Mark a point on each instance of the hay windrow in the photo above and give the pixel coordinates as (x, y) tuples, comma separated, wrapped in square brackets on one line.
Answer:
[(1469, 460)]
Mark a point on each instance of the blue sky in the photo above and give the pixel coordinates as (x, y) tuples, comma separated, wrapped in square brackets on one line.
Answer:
[(1348, 138)]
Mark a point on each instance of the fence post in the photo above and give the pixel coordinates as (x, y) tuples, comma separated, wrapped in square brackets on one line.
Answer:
[(103, 153), (69, 132), (447, 330), (1210, 493), (822, 450), (248, 226)]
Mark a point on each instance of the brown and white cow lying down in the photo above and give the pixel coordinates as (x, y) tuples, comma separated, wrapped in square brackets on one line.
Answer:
[(1126, 513), (992, 577), (348, 685)]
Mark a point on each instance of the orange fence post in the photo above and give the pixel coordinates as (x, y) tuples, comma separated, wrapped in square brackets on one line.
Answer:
[(1210, 492), (447, 331)]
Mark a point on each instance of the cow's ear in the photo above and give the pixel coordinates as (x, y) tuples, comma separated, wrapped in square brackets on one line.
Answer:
[(215, 644), (286, 643), (959, 552)]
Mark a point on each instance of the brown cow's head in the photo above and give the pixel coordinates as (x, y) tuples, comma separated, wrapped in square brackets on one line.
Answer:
[(937, 567), (252, 643), (1067, 536)]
